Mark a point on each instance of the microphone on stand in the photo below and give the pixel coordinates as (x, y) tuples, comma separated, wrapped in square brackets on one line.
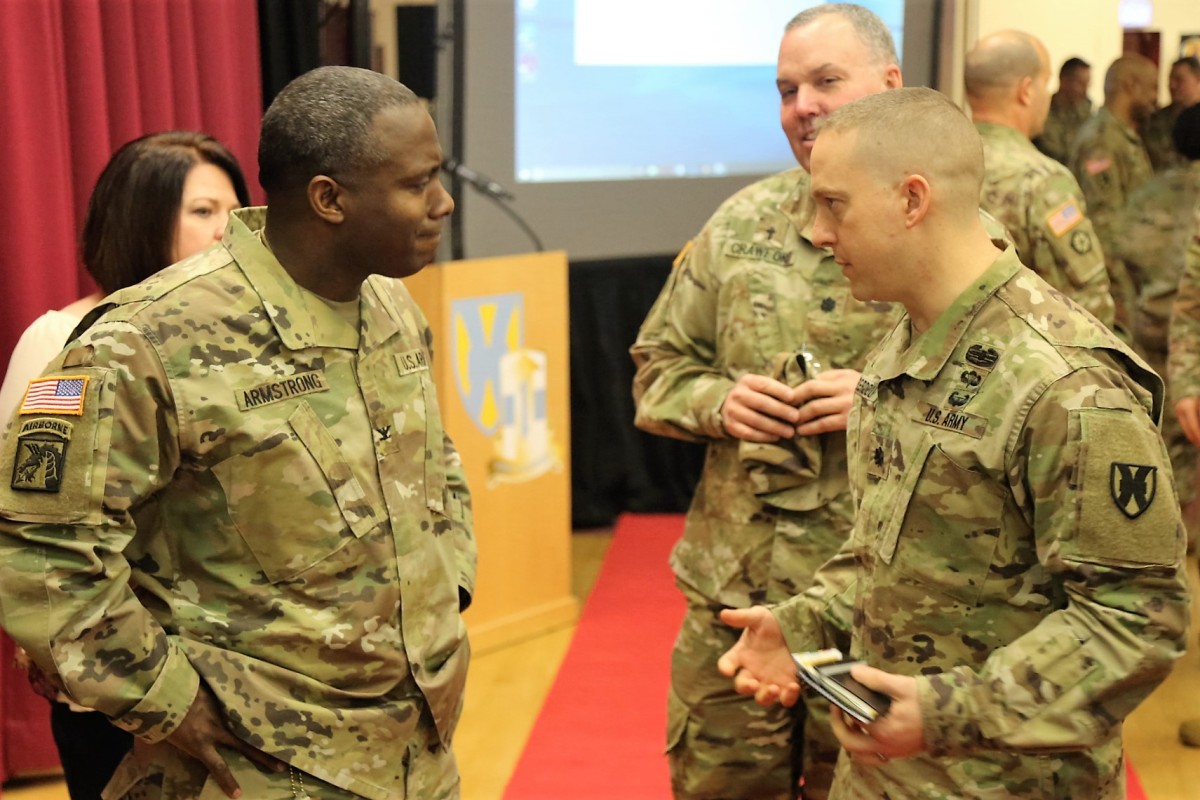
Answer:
[(495, 192), (481, 182)]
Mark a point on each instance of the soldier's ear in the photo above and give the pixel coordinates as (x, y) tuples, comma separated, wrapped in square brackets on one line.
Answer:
[(1025, 90), (325, 197)]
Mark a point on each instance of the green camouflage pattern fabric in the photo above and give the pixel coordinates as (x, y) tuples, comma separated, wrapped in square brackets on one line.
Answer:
[(1040, 204), (1062, 127), (749, 287), (775, 468), (1156, 134), (1158, 228), (257, 496), (1018, 548), (1183, 364), (1110, 163)]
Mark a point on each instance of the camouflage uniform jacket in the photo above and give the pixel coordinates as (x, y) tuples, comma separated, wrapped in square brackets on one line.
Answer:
[(1157, 134), (1158, 227), (250, 493), (751, 285), (1062, 126), (1183, 366), (1018, 547), (1039, 201), (1110, 163)]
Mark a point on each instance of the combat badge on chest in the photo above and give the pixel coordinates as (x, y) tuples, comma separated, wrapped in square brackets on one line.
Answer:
[(969, 373)]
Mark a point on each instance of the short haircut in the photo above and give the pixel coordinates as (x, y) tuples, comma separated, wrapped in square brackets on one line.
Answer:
[(1186, 133), (866, 23), (1129, 67), (1070, 65), (916, 131), (1191, 62), (322, 124), (1000, 61), (129, 227)]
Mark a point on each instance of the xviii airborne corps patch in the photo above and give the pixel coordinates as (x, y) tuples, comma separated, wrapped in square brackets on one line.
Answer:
[(41, 455)]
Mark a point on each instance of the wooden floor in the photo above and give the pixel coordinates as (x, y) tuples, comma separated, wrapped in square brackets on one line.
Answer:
[(506, 689)]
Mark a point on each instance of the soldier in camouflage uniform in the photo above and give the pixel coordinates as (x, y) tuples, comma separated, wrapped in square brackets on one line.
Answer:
[(1184, 361), (1158, 228), (1035, 197), (1015, 576), (1184, 86), (235, 524), (1069, 109), (749, 287), (1110, 162)]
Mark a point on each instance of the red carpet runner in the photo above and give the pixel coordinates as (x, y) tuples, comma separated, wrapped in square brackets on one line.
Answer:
[(601, 732)]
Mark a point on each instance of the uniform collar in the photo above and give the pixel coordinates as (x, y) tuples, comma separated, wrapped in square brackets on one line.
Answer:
[(1126, 131), (300, 319), (799, 206), (926, 356), (998, 132)]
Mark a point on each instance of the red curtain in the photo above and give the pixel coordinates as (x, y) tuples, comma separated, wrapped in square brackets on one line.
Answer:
[(78, 78)]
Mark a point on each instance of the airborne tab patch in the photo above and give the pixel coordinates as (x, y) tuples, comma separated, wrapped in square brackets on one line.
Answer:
[(284, 389), (41, 455), (55, 395)]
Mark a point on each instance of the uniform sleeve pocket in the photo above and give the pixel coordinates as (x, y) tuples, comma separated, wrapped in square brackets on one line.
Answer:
[(1126, 507), (295, 487)]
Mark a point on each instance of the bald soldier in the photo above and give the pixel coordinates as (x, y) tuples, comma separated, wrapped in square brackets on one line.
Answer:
[(235, 524), (1070, 107), (1014, 580), (1038, 200), (1110, 161)]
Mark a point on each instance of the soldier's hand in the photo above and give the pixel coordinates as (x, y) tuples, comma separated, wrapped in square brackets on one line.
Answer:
[(1188, 412), (202, 730), (824, 401), (759, 409), (897, 734), (760, 663)]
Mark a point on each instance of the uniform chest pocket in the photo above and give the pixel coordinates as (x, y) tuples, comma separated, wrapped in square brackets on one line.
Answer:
[(944, 526), (293, 497)]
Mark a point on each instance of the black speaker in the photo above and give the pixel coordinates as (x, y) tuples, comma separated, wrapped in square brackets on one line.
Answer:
[(416, 49)]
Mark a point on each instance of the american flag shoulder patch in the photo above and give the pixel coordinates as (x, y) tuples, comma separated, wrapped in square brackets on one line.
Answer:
[(1065, 217), (55, 395)]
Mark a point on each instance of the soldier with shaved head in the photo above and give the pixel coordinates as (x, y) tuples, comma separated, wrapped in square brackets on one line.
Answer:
[(1109, 160), (1037, 199), (753, 347), (1014, 580)]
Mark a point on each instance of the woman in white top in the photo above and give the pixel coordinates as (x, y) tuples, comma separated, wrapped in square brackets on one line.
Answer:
[(161, 198)]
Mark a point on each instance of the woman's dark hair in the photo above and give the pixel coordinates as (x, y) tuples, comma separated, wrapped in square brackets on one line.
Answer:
[(129, 229), (1186, 133)]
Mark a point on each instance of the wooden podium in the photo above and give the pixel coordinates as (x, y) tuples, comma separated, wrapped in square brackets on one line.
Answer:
[(501, 368)]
